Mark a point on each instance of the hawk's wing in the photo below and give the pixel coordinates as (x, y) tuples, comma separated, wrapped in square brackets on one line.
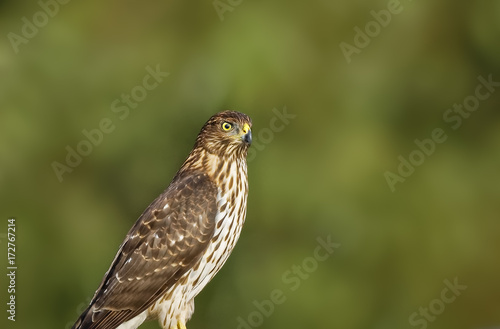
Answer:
[(167, 240)]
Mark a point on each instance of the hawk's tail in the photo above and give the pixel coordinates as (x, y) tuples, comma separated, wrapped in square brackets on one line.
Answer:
[(92, 318)]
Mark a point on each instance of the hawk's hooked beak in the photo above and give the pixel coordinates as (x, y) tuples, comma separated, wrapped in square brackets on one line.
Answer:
[(247, 134)]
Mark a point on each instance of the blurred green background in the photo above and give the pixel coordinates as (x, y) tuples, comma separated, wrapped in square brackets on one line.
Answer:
[(319, 175)]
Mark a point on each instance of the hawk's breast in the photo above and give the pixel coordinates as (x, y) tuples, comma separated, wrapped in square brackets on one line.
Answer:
[(231, 212)]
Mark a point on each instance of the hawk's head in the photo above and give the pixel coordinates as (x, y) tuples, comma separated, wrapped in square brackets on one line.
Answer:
[(226, 133)]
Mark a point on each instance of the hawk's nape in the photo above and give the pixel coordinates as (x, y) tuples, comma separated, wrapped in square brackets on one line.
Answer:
[(183, 237)]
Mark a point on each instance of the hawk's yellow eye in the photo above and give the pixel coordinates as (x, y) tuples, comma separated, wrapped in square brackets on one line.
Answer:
[(227, 126)]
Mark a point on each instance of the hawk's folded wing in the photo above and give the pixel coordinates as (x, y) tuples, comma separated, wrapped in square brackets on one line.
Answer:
[(166, 241)]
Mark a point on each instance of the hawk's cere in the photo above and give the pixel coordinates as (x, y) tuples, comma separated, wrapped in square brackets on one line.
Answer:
[(183, 238)]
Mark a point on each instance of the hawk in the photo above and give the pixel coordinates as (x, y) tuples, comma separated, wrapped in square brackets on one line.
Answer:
[(183, 238)]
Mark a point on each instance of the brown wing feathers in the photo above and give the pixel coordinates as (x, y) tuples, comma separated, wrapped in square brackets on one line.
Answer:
[(163, 244)]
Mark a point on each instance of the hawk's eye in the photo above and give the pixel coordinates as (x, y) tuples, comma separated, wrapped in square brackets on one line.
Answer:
[(226, 126)]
